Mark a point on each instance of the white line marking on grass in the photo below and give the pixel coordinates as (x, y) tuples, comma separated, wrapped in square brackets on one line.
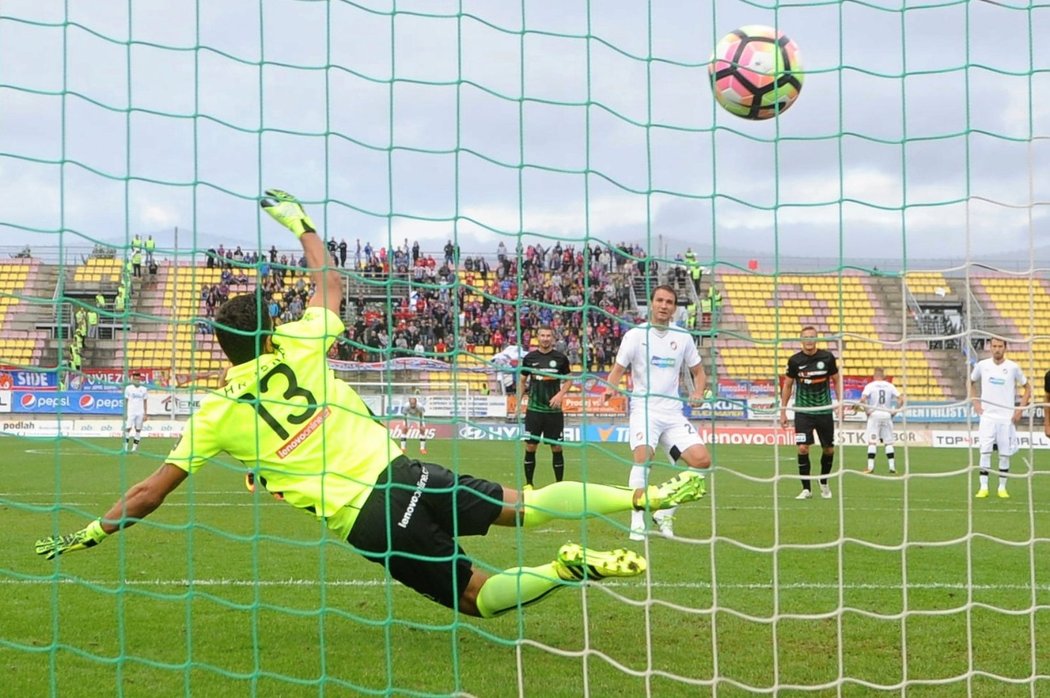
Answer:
[(366, 583)]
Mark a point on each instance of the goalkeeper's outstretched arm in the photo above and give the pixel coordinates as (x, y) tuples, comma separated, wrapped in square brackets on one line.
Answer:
[(137, 503), (286, 210)]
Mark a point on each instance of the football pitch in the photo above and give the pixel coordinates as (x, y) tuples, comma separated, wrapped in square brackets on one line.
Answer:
[(225, 593)]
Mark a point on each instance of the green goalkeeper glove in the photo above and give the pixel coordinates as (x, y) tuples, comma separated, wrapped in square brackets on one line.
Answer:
[(286, 210), (87, 537)]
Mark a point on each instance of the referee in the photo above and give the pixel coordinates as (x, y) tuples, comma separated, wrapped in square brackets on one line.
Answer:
[(810, 372), (542, 369)]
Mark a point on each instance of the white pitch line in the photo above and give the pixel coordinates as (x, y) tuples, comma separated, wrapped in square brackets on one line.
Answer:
[(366, 583)]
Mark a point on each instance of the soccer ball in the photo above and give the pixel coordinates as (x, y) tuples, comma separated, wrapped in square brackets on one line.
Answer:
[(756, 72)]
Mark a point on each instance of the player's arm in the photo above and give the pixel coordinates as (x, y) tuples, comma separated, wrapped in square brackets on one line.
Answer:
[(840, 394), (137, 503), (974, 387), (286, 210), (520, 393), (785, 397), (1026, 400), (699, 382), (564, 387), (613, 381)]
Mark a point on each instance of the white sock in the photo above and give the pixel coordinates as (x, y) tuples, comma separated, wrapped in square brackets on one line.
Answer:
[(871, 457), (664, 514), (422, 444), (1004, 470), (639, 477), (986, 465), (889, 457)]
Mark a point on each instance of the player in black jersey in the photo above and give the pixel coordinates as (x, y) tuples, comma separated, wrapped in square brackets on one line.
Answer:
[(542, 369), (810, 372)]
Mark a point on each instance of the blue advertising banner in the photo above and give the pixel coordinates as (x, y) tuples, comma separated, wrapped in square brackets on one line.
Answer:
[(66, 402), (28, 380)]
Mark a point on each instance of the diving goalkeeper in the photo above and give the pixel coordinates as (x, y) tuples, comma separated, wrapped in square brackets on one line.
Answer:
[(313, 441)]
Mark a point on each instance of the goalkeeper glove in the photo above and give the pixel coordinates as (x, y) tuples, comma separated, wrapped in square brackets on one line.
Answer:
[(87, 537), (286, 210)]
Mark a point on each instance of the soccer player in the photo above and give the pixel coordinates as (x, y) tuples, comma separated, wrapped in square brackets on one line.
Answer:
[(542, 370), (135, 395), (655, 353), (810, 372), (312, 439), (414, 413), (993, 390), (880, 400)]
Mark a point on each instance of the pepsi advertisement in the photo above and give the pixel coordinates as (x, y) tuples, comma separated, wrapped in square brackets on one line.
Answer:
[(66, 402)]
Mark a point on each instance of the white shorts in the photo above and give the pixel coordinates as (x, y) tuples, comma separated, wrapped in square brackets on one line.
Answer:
[(672, 431), (1001, 434), (879, 429), (135, 421)]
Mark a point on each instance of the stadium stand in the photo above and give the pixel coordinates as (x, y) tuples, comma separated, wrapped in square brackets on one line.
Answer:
[(762, 310), (468, 314)]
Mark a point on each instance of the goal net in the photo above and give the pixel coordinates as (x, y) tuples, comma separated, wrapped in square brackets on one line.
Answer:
[(479, 170)]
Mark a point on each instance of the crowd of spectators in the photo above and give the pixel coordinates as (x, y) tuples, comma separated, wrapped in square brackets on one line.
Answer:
[(582, 292), (285, 283)]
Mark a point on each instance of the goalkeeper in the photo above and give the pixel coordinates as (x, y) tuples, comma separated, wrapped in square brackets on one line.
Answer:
[(313, 441)]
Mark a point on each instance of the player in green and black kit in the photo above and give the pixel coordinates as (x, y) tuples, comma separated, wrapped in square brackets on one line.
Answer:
[(812, 370), (543, 369)]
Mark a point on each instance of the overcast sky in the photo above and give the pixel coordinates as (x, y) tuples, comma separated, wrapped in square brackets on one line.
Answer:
[(915, 131)]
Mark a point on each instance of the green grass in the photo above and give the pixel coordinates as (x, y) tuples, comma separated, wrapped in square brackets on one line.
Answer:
[(222, 593)]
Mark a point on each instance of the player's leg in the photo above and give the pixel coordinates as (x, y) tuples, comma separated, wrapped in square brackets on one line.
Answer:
[(871, 435), (889, 439), (488, 596), (825, 424), (986, 442), (555, 425), (684, 446), (136, 423), (804, 439), (429, 505), (422, 437), (1006, 439), (533, 434), (644, 437), (404, 435)]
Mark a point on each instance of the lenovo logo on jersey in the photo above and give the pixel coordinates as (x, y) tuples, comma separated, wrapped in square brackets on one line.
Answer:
[(414, 501)]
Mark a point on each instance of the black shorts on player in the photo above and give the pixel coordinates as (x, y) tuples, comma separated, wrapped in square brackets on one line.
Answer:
[(822, 424), (410, 522), (546, 425)]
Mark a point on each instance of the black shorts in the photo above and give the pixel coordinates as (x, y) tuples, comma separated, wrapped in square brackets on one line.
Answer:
[(806, 424), (410, 522), (548, 425)]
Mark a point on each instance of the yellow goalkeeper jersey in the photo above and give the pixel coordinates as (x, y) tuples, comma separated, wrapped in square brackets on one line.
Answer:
[(308, 434)]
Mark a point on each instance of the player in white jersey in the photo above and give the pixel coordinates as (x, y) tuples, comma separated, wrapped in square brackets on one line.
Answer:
[(413, 413), (655, 353), (135, 394), (994, 394), (880, 400)]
